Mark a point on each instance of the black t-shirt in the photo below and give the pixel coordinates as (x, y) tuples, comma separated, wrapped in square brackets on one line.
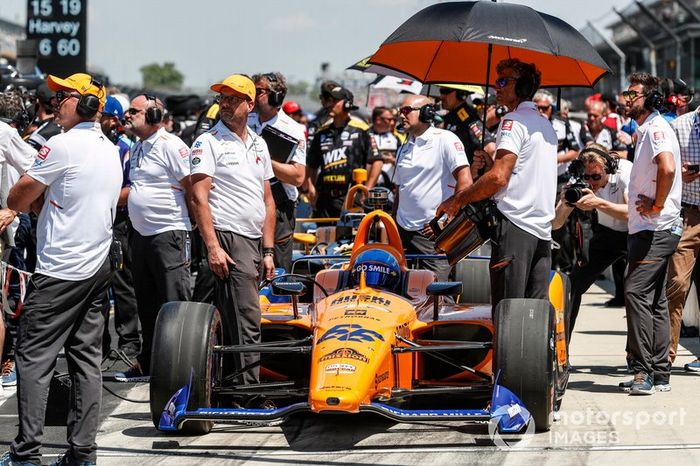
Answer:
[(337, 152), (46, 131), (466, 124)]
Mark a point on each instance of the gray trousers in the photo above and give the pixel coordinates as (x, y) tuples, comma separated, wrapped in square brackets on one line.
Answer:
[(236, 297), (285, 222), (70, 315), (161, 270), (520, 264), (645, 302), (414, 242)]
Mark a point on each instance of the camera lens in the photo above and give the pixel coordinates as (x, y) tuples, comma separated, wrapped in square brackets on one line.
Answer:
[(573, 195)]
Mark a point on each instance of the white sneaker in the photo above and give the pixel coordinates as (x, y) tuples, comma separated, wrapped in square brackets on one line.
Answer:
[(663, 387)]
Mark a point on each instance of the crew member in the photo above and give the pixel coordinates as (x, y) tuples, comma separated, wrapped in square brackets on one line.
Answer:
[(609, 184), (431, 166), (238, 217), (387, 141), (289, 168), (76, 180), (159, 177), (655, 228), (463, 120), (337, 148), (126, 317), (520, 255)]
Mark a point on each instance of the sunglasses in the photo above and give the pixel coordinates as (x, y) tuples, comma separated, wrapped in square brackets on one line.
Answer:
[(231, 99), (407, 109), (503, 82), (133, 111), (60, 96), (631, 95), (594, 177), (543, 108)]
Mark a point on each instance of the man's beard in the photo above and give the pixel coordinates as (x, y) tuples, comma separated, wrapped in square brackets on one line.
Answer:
[(635, 112)]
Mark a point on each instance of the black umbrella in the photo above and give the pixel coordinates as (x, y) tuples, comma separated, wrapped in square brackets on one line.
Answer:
[(461, 42)]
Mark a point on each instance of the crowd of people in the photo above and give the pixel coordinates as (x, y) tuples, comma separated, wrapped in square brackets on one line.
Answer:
[(102, 191)]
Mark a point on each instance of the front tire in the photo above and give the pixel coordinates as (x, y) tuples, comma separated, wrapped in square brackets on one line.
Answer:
[(183, 343), (525, 355)]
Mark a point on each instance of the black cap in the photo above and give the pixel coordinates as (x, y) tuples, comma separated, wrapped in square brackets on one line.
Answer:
[(44, 94), (327, 86)]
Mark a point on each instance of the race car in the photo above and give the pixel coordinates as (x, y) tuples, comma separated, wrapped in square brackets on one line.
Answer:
[(374, 336)]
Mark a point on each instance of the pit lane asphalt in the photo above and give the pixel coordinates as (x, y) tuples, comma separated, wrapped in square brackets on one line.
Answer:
[(598, 425)]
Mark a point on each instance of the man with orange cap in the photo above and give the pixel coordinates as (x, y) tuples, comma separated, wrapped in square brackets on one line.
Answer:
[(238, 217), (75, 181)]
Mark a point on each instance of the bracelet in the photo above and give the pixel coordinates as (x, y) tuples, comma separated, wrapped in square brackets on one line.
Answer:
[(268, 251)]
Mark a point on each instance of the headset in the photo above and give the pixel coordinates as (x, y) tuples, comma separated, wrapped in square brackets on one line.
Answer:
[(427, 113), (611, 163), (154, 114), (89, 104), (653, 100), (274, 98)]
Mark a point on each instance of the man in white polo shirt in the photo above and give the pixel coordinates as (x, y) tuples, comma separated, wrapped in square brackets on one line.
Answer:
[(270, 90), (76, 179), (655, 228), (159, 177), (523, 182), (235, 213), (430, 167)]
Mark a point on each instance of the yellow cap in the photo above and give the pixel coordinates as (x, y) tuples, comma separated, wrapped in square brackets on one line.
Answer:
[(237, 84), (81, 83)]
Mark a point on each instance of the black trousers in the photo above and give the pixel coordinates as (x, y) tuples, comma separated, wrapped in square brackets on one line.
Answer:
[(520, 264), (126, 317), (161, 270), (285, 221), (606, 247), (328, 206), (414, 242), (70, 315), (648, 326), (236, 297)]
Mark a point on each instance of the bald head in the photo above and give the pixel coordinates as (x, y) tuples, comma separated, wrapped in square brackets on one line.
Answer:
[(417, 101), (409, 114)]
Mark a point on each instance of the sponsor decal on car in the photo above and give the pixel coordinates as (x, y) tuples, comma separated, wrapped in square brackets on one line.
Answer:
[(381, 377), (341, 368), (350, 332), (361, 299), (347, 353)]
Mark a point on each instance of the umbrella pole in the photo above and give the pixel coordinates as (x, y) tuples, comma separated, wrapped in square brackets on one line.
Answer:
[(559, 99), (486, 94)]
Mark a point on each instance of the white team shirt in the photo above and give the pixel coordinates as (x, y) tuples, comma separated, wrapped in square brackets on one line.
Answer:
[(654, 136), (82, 171), (528, 199), (614, 191), (287, 125), (13, 150), (156, 197), (238, 170), (424, 175)]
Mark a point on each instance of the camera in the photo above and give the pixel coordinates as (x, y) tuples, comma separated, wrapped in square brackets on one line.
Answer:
[(574, 191)]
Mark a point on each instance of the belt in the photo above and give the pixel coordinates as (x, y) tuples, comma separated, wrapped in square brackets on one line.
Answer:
[(689, 206)]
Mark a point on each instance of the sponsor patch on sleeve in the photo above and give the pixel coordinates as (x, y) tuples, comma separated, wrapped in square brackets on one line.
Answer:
[(659, 136), (507, 125), (184, 152), (459, 146), (43, 153)]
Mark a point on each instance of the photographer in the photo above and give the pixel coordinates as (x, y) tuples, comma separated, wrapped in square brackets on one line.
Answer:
[(606, 181)]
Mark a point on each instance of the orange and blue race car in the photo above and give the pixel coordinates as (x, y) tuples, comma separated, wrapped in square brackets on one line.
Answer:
[(371, 336)]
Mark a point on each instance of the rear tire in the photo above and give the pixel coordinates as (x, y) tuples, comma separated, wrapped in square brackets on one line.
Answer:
[(525, 355), (185, 335)]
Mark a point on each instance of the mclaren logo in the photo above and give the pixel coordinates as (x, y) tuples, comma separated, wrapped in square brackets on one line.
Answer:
[(345, 353), (509, 39)]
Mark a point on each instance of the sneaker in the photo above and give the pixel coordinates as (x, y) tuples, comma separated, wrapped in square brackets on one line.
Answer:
[(67, 460), (626, 386), (693, 366), (7, 460), (642, 385), (133, 374), (9, 374), (662, 387)]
